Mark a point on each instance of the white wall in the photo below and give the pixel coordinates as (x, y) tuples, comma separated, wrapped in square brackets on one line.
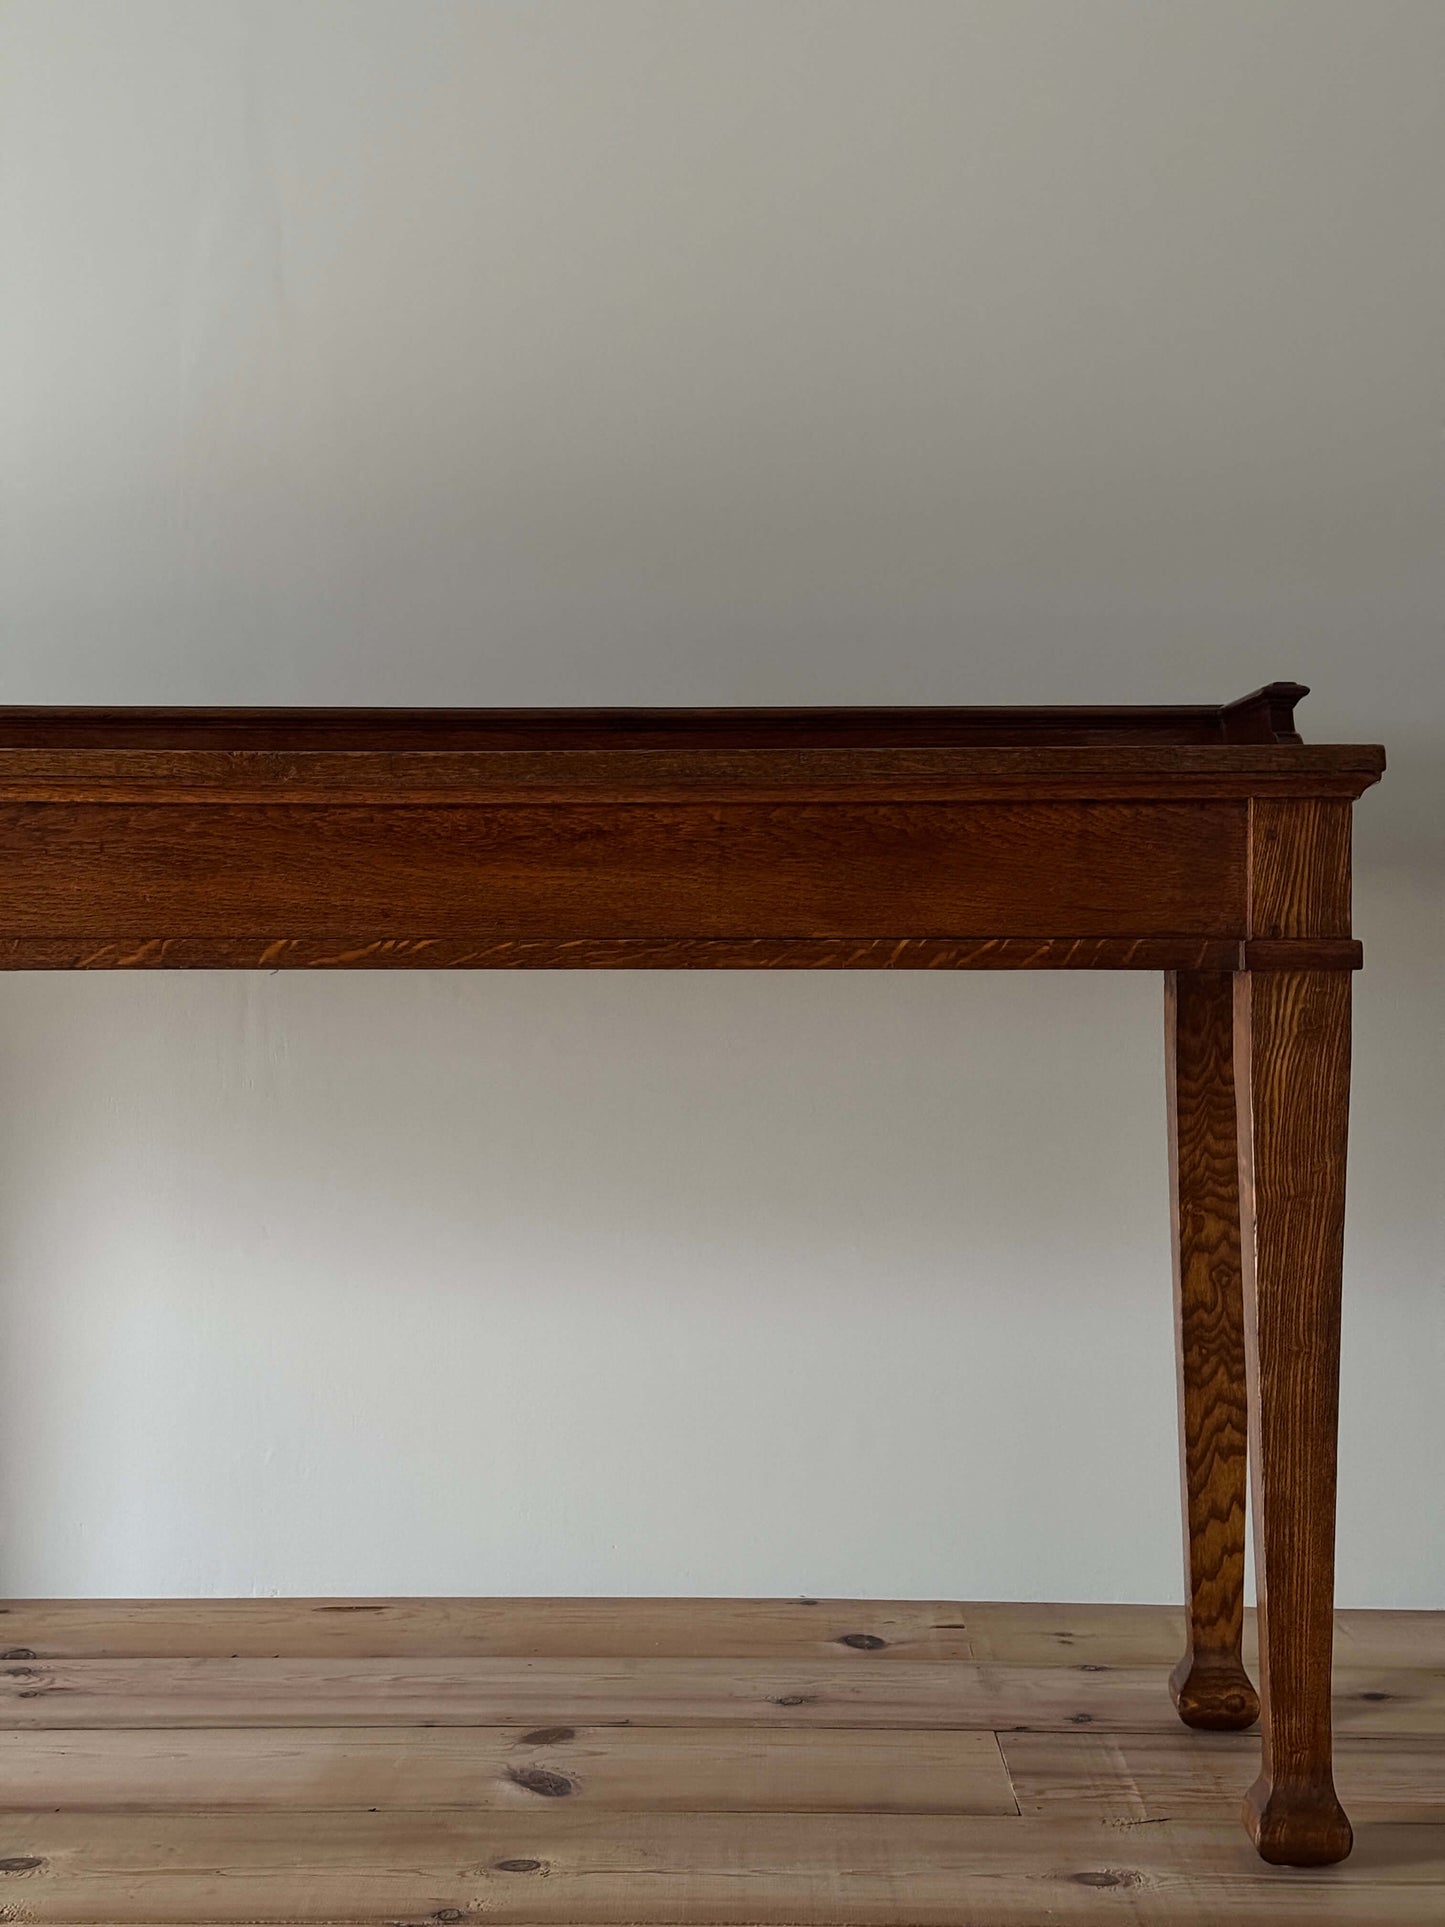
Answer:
[(715, 351)]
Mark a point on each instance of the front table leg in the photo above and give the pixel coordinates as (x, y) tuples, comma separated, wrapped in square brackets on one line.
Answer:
[(1292, 1078)]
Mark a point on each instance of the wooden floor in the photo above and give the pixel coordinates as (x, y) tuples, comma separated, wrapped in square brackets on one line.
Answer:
[(736, 1762)]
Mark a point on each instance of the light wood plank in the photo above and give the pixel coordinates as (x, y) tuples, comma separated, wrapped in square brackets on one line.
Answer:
[(1390, 1639), (861, 1691), (832, 1788), (483, 1628), (663, 1692), (1182, 1775), (1023, 1634), (710, 1870), (677, 1770), (1038, 1634), (1044, 1634)]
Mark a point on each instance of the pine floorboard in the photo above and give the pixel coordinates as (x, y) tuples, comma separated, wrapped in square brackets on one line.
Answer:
[(650, 1763)]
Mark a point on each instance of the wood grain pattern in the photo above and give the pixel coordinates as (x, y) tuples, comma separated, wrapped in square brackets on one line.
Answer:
[(1210, 1686), (363, 778), (481, 952), (325, 756), (1390, 1640), (640, 1818), (850, 1630), (340, 951), (1292, 1042), (864, 1691), (569, 871), (1386, 1777), (1054, 1633), (1035, 1633), (1299, 858), (1200, 841), (555, 1869), (705, 1769), (1300, 953)]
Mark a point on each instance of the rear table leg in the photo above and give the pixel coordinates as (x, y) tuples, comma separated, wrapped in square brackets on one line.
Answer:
[(1210, 1686)]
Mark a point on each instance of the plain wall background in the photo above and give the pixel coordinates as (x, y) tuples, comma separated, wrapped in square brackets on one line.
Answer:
[(699, 351)]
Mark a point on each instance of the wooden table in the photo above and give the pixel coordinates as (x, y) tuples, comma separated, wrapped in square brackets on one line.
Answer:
[(1206, 843)]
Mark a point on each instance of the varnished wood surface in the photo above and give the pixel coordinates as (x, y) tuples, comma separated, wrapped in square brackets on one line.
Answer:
[(1292, 1074), (819, 839), (339, 951), (1264, 716), (361, 778), (1299, 860), (573, 871), (644, 1818), (1210, 1686), (944, 839)]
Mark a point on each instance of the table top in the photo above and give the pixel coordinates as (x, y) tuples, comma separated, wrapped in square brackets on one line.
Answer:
[(378, 756), (1134, 837)]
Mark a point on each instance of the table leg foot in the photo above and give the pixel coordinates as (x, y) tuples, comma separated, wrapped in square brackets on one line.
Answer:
[(1301, 1825), (1214, 1693)]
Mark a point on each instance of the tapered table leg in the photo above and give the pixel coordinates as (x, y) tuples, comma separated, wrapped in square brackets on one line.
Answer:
[(1292, 1072), (1210, 1686)]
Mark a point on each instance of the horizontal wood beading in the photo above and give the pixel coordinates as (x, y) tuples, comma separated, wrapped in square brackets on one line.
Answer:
[(577, 871), (896, 774), (343, 951)]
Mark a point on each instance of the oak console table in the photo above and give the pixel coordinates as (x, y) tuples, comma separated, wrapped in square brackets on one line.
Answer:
[(1206, 843)]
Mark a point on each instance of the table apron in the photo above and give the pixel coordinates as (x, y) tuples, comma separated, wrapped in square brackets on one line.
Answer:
[(613, 872)]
